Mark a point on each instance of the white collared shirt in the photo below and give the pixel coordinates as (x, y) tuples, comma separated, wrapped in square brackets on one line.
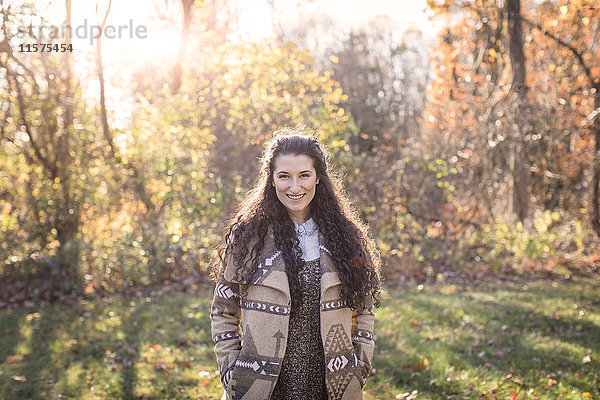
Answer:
[(308, 235)]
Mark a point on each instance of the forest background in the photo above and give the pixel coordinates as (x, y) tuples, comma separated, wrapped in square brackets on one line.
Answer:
[(470, 155)]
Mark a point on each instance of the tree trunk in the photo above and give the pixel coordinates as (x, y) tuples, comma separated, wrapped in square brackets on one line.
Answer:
[(185, 33), (67, 223), (596, 162), (134, 175), (520, 167), (100, 70)]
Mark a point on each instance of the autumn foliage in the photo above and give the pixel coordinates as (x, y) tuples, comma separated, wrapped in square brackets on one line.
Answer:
[(461, 166)]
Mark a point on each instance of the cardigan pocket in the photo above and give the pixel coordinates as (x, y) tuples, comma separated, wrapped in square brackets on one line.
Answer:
[(232, 385), (229, 375)]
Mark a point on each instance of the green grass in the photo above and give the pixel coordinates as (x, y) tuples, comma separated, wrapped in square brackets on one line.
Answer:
[(442, 342)]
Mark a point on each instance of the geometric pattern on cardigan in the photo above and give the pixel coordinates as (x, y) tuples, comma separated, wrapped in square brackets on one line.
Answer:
[(265, 307), (337, 341), (341, 361), (226, 336), (337, 384), (264, 268), (225, 291), (251, 366), (337, 363), (333, 305), (227, 377), (325, 249), (339, 352), (259, 366), (363, 334)]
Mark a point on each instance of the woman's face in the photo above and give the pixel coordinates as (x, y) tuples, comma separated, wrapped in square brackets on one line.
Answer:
[(295, 181)]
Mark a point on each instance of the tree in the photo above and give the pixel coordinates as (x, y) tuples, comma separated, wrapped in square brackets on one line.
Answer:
[(519, 167), (490, 93), (385, 76), (580, 49), (213, 21), (185, 32), (38, 141)]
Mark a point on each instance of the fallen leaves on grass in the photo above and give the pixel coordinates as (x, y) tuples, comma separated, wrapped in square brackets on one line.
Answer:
[(19, 378), (407, 396), (551, 382), (514, 379), (13, 359), (163, 366), (586, 360), (113, 366), (187, 363), (33, 316), (155, 349), (419, 365)]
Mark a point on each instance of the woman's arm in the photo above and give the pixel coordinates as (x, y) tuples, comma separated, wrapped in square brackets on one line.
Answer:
[(363, 321), (225, 327)]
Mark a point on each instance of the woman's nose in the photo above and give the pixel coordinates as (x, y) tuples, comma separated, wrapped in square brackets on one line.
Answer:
[(295, 185)]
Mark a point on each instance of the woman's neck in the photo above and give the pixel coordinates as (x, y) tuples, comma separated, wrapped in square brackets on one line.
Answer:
[(300, 219)]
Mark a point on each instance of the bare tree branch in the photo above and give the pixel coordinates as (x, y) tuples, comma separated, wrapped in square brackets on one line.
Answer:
[(23, 112), (576, 52)]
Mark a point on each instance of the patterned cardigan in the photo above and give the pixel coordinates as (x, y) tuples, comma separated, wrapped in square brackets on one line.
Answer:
[(250, 335)]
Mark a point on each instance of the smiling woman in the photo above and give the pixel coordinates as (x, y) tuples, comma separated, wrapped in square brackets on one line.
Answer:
[(295, 180), (296, 281)]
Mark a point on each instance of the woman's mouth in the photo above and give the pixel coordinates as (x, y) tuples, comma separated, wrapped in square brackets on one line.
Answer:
[(295, 197)]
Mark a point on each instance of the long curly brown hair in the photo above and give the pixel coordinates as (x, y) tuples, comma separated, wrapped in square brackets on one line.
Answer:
[(354, 254)]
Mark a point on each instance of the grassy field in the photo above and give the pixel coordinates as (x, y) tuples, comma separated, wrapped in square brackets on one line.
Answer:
[(540, 340)]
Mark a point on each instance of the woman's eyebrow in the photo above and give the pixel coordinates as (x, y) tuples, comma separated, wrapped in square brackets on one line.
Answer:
[(301, 172)]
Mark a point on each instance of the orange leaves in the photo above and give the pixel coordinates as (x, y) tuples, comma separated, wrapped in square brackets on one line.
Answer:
[(113, 366), (417, 367), (155, 348), (163, 366), (91, 287), (13, 359), (551, 382)]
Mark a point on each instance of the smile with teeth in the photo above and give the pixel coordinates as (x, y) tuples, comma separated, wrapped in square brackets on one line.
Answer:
[(296, 197)]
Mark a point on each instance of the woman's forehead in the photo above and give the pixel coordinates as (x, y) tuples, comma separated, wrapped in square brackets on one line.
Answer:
[(293, 163)]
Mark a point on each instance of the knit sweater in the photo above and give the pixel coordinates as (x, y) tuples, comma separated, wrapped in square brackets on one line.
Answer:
[(302, 375)]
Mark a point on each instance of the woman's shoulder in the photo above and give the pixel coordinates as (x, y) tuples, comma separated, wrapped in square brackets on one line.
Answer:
[(231, 263)]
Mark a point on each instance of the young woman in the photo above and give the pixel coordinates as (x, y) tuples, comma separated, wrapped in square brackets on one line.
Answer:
[(296, 281)]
